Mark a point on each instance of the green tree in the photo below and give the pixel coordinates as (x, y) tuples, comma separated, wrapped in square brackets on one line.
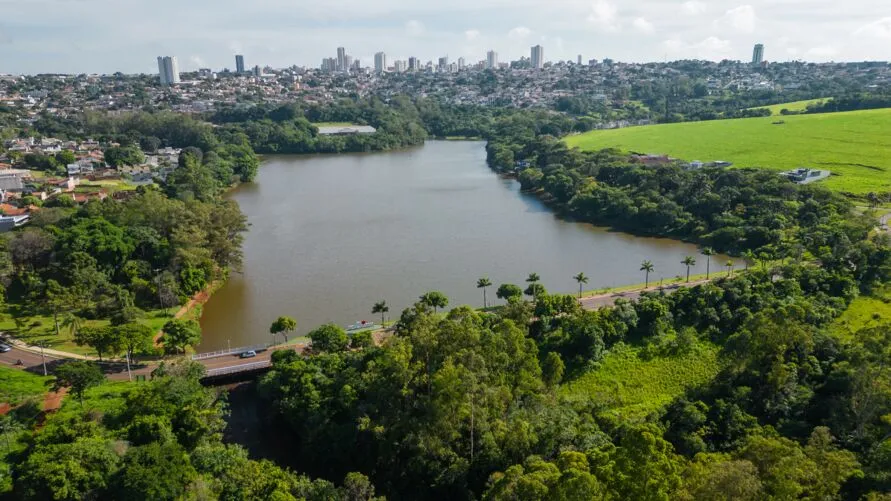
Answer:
[(329, 338), (507, 291), (552, 369), (66, 157), (729, 266), (180, 334), (105, 340), (153, 471), (134, 337), (382, 308), (647, 268), (79, 376), (71, 471), (435, 299), (708, 252), (484, 283), (688, 262), (283, 325), (581, 278)]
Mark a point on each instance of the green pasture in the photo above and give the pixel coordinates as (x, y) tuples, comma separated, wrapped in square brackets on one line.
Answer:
[(855, 146), (775, 109)]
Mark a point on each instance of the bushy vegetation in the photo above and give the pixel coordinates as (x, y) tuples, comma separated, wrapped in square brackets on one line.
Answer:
[(156, 440), (851, 145), (17, 385)]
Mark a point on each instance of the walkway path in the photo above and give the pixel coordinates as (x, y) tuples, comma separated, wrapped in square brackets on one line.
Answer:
[(609, 299)]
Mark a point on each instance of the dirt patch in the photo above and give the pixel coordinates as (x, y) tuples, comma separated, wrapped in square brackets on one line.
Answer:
[(53, 400), (198, 299), (5, 408)]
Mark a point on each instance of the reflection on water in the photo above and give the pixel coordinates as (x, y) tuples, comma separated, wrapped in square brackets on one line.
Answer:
[(332, 235)]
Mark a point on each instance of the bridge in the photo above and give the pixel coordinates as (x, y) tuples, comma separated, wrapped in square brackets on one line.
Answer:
[(228, 363)]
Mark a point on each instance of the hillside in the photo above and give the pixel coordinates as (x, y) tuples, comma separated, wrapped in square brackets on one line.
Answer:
[(775, 109), (853, 145)]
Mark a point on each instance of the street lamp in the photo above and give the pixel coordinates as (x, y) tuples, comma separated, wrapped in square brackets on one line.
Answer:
[(43, 358)]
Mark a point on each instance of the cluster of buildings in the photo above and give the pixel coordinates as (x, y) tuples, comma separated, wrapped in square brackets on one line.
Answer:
[(344, 63)]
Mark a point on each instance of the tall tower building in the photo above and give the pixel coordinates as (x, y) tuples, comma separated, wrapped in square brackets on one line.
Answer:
[(168, 70), (443, 63), (492, 60), (413, 64), (461, 64), (380, 62), (580, 60), (538, 57), (758, 54), (341, 59), (239, 63)]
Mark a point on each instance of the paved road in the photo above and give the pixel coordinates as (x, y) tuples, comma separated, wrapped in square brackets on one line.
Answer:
[(608, 300)]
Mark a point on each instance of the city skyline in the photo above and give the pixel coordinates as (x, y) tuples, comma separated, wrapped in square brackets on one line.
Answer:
[(280, 34)]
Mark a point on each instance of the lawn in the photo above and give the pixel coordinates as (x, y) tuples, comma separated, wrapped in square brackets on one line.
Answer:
[(775, 109), (42, 328), (865, 311), (17, 385), (853, 145), (630, 387)]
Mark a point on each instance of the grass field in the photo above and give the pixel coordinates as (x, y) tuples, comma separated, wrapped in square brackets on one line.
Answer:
[(853, 145), (17, 385), (42, 328), (631, 387), (865, 311), (793, 106)]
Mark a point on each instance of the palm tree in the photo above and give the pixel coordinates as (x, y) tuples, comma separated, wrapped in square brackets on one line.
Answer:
[(73, 323), (483, 284), (380, 307), (729, 266), (533, 278), (647, 267), (748, 258), (708, 252), (581, 279), (688, 262)]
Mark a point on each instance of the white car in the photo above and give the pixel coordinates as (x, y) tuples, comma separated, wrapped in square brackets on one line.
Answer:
[(4, 348)]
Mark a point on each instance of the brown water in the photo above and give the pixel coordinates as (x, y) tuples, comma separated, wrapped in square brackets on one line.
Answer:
[(331, 235)]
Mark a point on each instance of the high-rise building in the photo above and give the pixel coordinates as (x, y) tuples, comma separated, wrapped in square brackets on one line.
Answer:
[(347, 63), (413, 64), (758, 54), (461, 64), (239, 63), (380, 62), (580, 60), (168, 70), (329, 64), (399, 66), (492, 60), (341, 60), (443, 63), (538, 57)]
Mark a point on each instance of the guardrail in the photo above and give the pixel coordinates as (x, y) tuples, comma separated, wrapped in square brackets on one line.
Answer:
[(230, 351), (222, 371)]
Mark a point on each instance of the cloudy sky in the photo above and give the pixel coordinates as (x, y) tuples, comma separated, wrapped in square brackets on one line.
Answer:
[(76, 36)]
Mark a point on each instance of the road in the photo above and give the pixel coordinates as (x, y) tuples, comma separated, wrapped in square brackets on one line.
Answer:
[(608, 300)]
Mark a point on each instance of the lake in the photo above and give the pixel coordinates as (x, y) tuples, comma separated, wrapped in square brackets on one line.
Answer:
[(331, 235)]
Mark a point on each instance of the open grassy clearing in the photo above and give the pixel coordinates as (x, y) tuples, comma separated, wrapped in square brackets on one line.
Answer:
[(853, 145), (17, 385), (864, 312), (42, 328), (630, 387), (775, 109)]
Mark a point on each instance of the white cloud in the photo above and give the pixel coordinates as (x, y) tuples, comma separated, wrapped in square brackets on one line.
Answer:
[(604, 16), (643, 26), (711, 48), (414, 28), (741, 19), (880, 28), (471, 35), (694, 7), (519, 33), (197, 62), (822, 52)]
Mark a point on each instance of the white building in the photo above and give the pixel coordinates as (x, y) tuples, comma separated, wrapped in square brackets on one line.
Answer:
[(492, 60), (399, 66), (168, 70), (538, 57), (461, 64), (380, 62)]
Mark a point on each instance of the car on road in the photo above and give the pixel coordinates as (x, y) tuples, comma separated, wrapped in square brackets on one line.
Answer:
[(4, 348), (249, 354)]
